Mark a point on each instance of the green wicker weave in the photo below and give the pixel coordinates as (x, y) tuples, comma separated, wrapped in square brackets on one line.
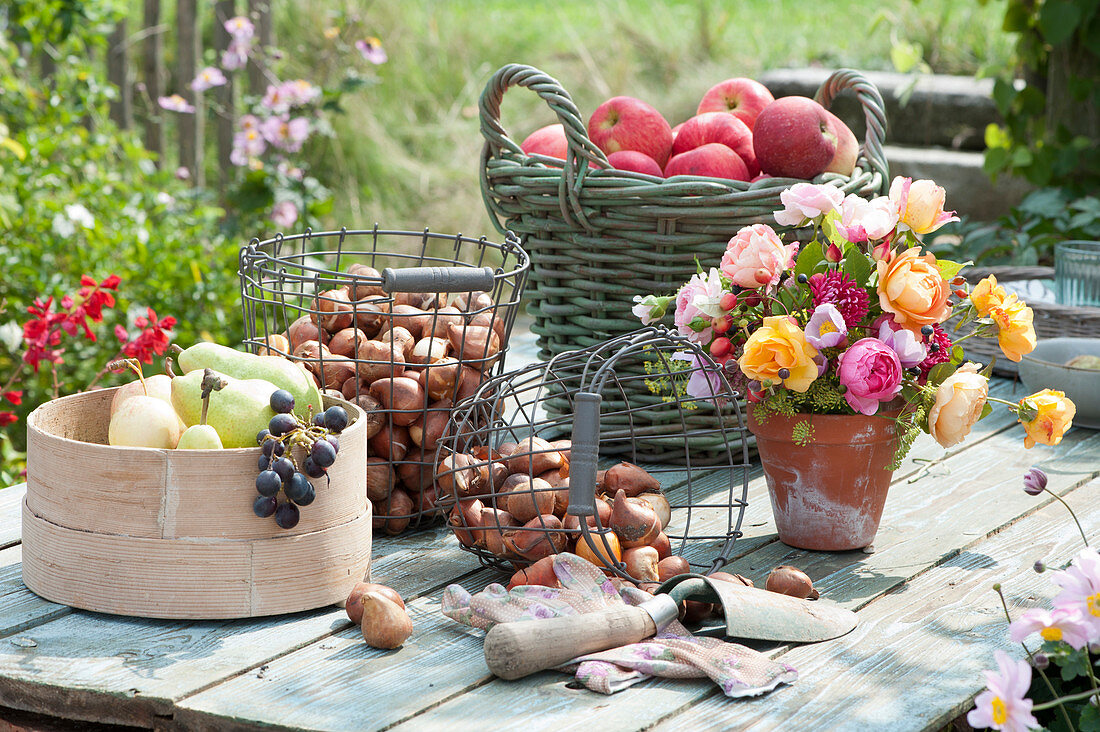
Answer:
[(599, 236)]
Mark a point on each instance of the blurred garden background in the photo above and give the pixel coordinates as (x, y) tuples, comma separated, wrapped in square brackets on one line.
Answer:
[(122, 226)]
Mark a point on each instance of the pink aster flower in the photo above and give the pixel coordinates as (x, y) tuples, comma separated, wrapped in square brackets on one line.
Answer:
[(1004, 704), (285, 134), (372, 50), (826, 327), (699, 298), (236, 55), (863, 220), (240, 28), (1080, 584), (284, 214), (249, 122), (300, 92), (208, 78), (840, 290), (910, 350), (806, 201), (871, 373), (247, 144), (1062, 624), (276, 98), (175, 103)]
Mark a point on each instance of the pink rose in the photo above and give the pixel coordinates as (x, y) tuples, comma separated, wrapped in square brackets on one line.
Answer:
[(920, 204), (863, 220), (804, 201), (698, 298), (872, 373), (756, 257)]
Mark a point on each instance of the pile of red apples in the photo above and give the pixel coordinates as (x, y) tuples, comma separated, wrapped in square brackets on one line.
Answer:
[(739, 132)]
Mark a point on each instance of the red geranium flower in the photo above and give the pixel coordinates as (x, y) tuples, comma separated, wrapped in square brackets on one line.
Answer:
[(153, 339), (7, 418)]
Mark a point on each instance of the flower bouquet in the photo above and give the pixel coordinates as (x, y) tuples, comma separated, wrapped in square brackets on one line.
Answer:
[(850, 325)]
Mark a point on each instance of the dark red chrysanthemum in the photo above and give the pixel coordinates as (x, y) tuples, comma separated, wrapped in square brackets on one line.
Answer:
[(840, 290), (940, 355)]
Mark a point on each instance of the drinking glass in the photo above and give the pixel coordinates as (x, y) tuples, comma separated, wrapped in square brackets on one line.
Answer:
[(1077, 273)]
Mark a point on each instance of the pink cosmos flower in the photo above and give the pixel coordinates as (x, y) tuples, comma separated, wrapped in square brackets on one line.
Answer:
[(1062, 624), (871, 372), (208, 78), (284, 214), (236, 55), (285, 134), (756, 257), (175, 103), (698, 298), (1080, 584), (372, 50), (1004, 704), (910, 350), (863, 220), (247, 144), (806, 201), (826, 327), (240, 28)]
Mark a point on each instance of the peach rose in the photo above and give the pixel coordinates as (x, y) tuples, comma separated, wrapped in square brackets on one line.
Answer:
[(779, 344), (986, 294), (920, 204), (756, 257), (1015, 332), (1046, 416), (913, 290), (959, 404)]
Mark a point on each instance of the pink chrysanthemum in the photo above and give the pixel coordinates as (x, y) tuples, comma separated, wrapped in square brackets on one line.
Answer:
[(840, 290), (940, 355)]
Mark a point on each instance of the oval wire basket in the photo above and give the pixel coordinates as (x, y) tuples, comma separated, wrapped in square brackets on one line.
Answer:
[(598, 236)]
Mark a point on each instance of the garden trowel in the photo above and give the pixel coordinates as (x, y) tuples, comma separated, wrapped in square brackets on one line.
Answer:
[(514, 650)]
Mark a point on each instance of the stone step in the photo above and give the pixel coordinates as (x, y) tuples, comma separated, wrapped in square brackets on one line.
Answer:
[(943, 111)]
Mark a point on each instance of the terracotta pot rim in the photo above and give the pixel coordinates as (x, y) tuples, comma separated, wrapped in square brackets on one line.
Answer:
[(829, 429)]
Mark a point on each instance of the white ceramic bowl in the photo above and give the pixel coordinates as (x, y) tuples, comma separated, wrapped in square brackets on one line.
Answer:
[(1044, 368)]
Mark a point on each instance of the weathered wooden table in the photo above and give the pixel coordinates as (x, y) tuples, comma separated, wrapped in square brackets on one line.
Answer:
[(955, 523)]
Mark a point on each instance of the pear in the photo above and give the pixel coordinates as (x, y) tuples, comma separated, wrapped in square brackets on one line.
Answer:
[(144, 421), (202, 436), (241, 409)]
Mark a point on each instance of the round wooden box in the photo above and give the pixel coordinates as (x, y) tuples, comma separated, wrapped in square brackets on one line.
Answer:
[(171, 533)]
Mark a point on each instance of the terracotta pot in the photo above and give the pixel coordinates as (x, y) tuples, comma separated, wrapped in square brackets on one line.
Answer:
[(828, 494)]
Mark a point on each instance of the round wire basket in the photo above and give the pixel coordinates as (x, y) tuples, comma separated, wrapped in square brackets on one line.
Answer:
[(525, 481), (405, 324)]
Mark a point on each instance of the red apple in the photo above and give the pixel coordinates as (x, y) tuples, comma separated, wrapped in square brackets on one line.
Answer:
[(718, 127), (847, 149), (549, 141), (793, 138), (741, 97), (626, 123), (676, 131), (635, 161), (714, 160)]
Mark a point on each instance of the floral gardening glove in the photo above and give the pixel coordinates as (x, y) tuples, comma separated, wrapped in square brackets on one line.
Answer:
[(674, 652)]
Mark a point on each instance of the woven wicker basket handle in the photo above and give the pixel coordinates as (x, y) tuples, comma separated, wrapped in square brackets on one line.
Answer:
[(873, 112), (581, 149)]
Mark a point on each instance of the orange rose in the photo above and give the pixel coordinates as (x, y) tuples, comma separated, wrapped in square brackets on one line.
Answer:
[(1015, 332), (959, 403), (913, 290), (920, 204), (1046, 416), (778, 344), (987, 294)]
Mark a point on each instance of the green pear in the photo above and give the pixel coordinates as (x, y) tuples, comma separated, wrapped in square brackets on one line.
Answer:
[(200, 437), (144, 421), (279, 371), (239, 412)]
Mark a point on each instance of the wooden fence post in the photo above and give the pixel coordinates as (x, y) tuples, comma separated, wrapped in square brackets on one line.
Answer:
[(227, 114), (260, 10), (118, 68), (187, 63), (153, 73)]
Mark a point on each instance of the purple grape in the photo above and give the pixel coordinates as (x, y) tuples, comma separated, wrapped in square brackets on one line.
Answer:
[(318, 420), (300, 490), (312, 469), (268, 483), (323, 453), (336, 418), (284, 468), (265, 462), (264, 506), (281, 401), (335, 442), (280, 424), (261, 435), (273, 447), (287, 516)]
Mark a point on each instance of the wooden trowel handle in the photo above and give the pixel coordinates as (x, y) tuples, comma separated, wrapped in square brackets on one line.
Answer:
[(514, 650)]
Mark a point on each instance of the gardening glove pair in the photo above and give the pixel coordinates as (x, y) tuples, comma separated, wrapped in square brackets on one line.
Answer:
[(673, 653)]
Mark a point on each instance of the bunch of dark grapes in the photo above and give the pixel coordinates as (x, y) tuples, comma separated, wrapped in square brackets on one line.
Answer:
[(280, 471)]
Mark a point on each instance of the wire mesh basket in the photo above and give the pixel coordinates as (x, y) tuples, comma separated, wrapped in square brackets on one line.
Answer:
[(405, 324), (525, 482)]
